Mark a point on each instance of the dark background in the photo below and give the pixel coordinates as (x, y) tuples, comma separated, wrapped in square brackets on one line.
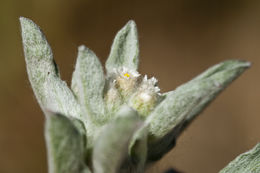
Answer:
[(178, 40)]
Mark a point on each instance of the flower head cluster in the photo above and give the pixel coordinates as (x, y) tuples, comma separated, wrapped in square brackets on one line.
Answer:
[(128, 86)]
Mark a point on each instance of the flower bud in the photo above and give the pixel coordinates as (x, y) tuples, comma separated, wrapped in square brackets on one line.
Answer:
[(146, 97)]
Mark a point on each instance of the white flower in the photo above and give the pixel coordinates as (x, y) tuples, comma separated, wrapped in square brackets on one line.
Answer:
[(127, 86), (126, 73), (125, 80), (150, 85)]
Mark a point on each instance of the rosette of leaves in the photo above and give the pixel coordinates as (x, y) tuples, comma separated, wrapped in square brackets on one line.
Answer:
[(118, 121)]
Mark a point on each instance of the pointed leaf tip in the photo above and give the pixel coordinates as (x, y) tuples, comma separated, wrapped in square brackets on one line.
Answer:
[(34, 42), (189, 99), (132, 24), (21, 19), (225, 65), (82, 48), (88, 83), (125, 49), (51, 92), (24, 20), (182, 105)]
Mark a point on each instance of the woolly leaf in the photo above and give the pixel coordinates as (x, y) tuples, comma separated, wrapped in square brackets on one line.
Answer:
[(125, 49), (111, 146), (138, 149), (181, 106), (65, 145), (88, 83), (51, 92), (248, 162), (221, 75)]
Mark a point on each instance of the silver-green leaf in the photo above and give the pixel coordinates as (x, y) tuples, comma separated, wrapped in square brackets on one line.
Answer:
[(111, 145), (88, 83), (138, 149), (65, 145), (51, 92), (221, 75), (181, 106), (248, 162), (125, 49)]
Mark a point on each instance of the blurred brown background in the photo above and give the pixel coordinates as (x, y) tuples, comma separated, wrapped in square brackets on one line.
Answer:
[(178, 40)]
